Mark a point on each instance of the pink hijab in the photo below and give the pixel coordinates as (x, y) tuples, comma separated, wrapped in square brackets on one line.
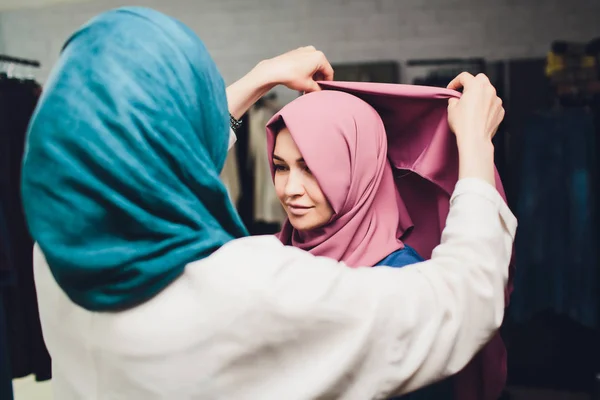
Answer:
[(424, 158), (343, 141)]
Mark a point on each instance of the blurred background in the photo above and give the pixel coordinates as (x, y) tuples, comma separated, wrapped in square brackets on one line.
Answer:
[(543, 56)]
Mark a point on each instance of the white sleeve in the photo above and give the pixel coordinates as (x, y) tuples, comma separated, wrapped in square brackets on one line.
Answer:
[(232, 139), (259, 320), (368, 333)]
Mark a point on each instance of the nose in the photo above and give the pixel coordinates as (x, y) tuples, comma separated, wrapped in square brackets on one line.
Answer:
[(294, 186)]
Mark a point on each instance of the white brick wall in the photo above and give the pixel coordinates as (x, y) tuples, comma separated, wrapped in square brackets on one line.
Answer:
[(239, 33)]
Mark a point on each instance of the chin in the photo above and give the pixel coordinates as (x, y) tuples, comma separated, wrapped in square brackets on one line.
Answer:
[(304, 224)]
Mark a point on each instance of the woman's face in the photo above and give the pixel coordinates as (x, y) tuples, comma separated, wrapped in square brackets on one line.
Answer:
[(297, 189)]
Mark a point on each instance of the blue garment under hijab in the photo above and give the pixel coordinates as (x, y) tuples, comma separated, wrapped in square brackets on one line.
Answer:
[(120, 179)]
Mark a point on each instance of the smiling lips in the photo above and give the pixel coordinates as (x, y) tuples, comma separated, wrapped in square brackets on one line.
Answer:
[(298, 210)]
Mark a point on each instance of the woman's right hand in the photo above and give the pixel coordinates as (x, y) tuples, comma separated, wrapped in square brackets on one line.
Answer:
[(479, 112), (474, 119)]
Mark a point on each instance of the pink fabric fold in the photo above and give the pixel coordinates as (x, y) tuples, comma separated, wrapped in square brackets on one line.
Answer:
[(339, 136), (424, 156)]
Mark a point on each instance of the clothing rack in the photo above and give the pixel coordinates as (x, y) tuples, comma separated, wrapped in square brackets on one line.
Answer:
[(440, 71), (20, 61), (438, 62)]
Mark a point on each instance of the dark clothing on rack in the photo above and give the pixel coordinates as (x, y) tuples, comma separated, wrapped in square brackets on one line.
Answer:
[(553, 352), (556, 247), (6, 279), (27, 351), (551, 325), (436, 79), (443, 71), (245, 206), (245, 202), (6, 389)]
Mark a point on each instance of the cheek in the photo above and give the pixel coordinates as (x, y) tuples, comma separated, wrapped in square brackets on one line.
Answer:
[(279, 183), (318, 197)]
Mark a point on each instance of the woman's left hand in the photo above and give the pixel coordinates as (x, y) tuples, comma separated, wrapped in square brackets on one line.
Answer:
[(298, 69)]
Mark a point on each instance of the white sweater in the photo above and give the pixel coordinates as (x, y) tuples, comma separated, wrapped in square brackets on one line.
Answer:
[(258, 320)]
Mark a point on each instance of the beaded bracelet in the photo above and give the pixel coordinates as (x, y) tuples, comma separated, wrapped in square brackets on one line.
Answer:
[(234, 123)]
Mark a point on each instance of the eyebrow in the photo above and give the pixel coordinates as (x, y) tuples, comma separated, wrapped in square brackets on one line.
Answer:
[(276, 157)]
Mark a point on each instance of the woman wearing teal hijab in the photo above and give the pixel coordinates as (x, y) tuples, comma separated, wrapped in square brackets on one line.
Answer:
[(148, 288)]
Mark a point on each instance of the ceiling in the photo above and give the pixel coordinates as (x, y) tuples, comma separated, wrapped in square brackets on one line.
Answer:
[(17, 4)]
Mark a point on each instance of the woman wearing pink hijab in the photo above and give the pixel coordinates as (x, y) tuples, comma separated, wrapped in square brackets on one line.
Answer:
[(328, 153), (330, 167)]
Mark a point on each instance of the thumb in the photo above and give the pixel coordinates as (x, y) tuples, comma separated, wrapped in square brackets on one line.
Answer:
[(311, 86), (452, 102)]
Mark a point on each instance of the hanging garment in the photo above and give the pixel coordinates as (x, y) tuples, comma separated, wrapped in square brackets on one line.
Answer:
[(423, 152), (6, 263), (230, 175), (557, 245), (6, 389), (27, 351), (267, 208), (6, 279)]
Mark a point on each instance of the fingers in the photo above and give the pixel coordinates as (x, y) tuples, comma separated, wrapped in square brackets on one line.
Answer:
[(311, 86), (487, 85), (465, 78), (482, 78), (498, 114), (303, 67), (501, 113), (325, 69), (499, 106), (460, 81), (452, 102)]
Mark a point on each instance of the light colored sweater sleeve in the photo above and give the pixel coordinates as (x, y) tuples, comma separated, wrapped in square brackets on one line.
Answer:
[(259, 320), (232, 139), (366, 333)]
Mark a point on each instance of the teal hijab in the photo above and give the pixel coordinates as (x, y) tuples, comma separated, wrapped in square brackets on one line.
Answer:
[(120, 180)]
